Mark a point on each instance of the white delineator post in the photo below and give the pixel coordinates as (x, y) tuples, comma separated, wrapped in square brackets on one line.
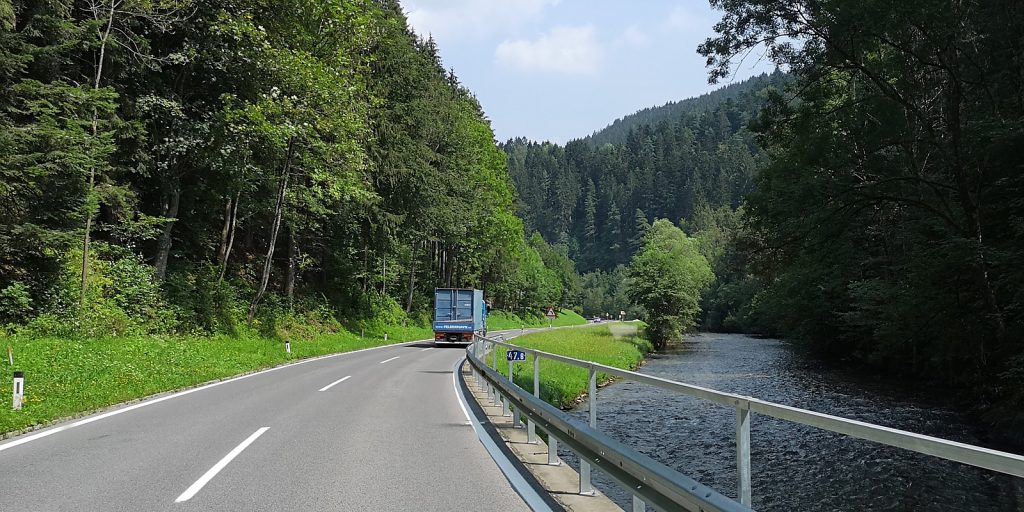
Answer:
[(287, 347), (19, 390)]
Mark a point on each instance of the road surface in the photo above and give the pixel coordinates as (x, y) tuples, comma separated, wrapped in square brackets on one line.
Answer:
[(381, 429)]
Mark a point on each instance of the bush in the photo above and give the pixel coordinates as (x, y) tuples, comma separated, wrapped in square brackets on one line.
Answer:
[(121, 298), (15, 303), (307, 322), (204, 304)]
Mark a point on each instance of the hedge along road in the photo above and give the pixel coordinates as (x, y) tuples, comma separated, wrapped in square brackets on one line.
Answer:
[(380, 429)]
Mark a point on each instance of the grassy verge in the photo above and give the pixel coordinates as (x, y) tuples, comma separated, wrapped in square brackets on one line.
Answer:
[(617, 344), (502, 320), (67, 377)]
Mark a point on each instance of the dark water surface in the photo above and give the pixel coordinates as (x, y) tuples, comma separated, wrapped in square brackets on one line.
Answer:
[(794, 467)]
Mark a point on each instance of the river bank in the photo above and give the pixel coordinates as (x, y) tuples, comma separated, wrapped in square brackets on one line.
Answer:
[(618, 344), (795, 467)]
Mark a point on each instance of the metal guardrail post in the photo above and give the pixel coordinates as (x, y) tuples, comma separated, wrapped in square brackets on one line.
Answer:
[(553, 451), (586, 487), (638, 504), (496, 399), (743, 452), (475, 352), (515, 413), (531, 427)]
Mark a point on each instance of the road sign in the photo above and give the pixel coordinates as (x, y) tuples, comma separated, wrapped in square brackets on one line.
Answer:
[(551, 313), (515, 355)]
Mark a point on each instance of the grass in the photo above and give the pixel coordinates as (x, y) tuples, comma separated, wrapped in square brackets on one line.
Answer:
[(617, 344), (68, 377), (503, 320)]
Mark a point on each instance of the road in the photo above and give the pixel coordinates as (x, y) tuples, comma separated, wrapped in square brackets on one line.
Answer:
[(381, 429)]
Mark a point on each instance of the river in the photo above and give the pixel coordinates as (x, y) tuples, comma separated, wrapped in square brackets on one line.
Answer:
[(794, 467)]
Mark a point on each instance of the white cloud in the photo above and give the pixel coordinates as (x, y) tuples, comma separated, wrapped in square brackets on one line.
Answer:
[(634, 37), (682, 18), (472, 18), (570, 50)]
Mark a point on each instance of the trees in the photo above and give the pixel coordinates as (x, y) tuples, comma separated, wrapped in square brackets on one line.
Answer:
[(663, 162), (667, 278), (883, 228), (309, 154)]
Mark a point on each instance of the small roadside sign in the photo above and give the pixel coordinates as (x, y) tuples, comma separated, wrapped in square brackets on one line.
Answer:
[(551, 313), (515, 355)]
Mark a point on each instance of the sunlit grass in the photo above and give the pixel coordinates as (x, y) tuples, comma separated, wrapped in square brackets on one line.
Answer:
[(502, 320), (617, 344), (65, 377)]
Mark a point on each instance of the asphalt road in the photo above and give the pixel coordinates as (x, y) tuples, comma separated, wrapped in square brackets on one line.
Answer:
[(390, 436)]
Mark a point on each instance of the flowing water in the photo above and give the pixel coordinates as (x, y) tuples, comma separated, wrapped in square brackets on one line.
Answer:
[(794, 467)]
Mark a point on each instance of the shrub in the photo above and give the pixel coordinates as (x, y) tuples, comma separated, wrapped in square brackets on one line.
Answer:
[(15, 303)]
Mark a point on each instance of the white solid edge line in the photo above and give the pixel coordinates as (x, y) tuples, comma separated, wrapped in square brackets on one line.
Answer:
[(425, 349), (144, 403), (212, 472), (389, 360), (526, 491), (339, 381)]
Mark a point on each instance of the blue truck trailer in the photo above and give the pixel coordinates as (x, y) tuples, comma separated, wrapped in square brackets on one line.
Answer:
[(458, 313)]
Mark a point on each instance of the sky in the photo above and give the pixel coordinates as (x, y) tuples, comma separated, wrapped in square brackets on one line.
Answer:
[(558, 70)]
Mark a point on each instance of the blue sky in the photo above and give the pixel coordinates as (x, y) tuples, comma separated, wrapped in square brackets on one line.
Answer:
[(559, 69)]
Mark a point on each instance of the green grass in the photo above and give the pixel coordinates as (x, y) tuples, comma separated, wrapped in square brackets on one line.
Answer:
[(616, 344), (68, 377), (503, 320)]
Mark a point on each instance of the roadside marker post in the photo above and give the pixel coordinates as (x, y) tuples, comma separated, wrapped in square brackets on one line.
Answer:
[(19, 390), (10, 355), (511, 356), (385, 336), (287, 347), (531, 432)]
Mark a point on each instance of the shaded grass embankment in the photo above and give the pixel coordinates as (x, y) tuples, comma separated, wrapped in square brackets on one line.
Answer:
[(503, 320), (67, 377), (617, 344)]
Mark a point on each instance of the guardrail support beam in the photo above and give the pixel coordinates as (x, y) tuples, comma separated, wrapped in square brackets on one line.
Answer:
[(638, 504), (743, 453), (531, 427), (586, 487), (553, 451)]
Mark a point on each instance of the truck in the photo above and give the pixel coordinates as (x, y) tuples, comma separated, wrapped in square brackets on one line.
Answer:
[(458, 314)]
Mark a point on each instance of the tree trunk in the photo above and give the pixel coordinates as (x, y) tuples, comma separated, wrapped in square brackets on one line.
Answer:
[(282, 186), (384, 277), (92, 171), (366, 268), (163, 245), (969, 205), (223, 246), (290, 279), (230, 223), (412, 280)]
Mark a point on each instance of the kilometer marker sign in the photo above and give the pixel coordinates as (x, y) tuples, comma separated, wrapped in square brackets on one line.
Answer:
[(515, 355)]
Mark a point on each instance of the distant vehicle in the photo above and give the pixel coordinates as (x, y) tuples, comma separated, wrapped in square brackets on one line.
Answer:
[(597, 320), (458, 314)]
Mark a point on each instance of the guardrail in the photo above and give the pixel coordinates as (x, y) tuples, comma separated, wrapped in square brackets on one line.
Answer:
[(644, 475)]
